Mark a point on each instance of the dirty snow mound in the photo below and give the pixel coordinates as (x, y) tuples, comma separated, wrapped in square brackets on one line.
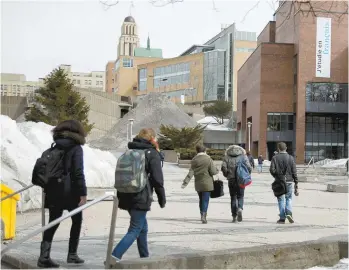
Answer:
[(23, 143), (155, 109)]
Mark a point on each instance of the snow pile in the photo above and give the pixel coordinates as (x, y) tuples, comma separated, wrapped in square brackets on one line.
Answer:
[(23, 143), (338, 163), (212, 124), (343, 264), (152, 111)]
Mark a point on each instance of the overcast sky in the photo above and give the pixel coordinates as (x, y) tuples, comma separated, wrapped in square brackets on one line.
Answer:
[(37, 36)]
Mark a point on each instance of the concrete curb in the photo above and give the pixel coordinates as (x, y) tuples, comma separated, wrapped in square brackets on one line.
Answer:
[(338, 188), (286, 256)]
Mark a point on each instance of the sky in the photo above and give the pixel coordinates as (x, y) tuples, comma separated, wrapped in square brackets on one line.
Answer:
[(38, 36)]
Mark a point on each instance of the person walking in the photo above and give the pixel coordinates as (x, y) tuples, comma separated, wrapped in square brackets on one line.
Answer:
[(283, 169), (260, 163), (138, 204), (68, 194), (250, 159), (234, 154), (203, 170)]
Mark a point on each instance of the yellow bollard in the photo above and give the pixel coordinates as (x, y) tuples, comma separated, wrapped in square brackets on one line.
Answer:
[(8, 213)]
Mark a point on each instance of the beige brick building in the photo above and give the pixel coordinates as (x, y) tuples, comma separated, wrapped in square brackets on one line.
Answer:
[(16, 85)]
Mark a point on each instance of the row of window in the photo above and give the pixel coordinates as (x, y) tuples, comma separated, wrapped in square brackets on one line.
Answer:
[(242, 35), (127, 62), (86, 75), (177, 79), (327, 92), (280, 121), (17, 87), (172, 69), (321, 151), (244, 49), (322, 124)]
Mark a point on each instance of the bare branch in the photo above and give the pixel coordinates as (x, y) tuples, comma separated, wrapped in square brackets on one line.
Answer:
[(162, 3), (252, 8), (108, 4)]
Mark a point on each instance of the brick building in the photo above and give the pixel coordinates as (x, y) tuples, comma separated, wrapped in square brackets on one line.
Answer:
[(294, 87)]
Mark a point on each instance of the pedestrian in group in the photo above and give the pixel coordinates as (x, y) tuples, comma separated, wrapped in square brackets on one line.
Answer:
[(203, 170), (250, 158), (65, 187), (233, 155), (138, 204), (260, 163), (283, 169)]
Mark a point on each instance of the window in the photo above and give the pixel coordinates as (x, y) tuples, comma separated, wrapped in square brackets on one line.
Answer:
[(86, 82), (127, 62), (142, 86), (78, 81), (280, 121), (327, 92), (143, 73)]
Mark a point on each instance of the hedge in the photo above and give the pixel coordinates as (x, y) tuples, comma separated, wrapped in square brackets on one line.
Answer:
[(188, 154)]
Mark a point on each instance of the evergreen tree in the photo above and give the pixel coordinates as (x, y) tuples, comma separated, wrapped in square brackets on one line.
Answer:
[(57, 101), (219, 110), (182, 137)]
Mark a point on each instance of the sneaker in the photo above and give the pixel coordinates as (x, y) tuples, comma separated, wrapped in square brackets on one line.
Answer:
[(239, 215), (234, 219), (281, 221), (113, 261), (290, 218)]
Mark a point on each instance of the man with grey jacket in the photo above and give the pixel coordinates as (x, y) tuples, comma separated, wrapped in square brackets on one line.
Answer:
[(283, 167), (232, 155)]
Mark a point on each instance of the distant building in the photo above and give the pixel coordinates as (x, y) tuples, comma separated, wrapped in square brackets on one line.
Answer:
[(94, 80), (16, 85), (121, 74)]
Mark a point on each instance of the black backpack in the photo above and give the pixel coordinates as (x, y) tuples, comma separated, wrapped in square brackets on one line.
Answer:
[(49, 169)]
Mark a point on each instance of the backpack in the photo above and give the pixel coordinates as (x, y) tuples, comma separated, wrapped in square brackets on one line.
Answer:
[(243, 176), (130, 173), (49, 169)]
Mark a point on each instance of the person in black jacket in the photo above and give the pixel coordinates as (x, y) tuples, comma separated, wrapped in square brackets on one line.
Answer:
[(283, 167), (138, 204), (70, 136), (250, 159)]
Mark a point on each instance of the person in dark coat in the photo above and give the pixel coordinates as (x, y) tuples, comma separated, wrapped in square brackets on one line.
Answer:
[(250, 159), (138, 204), (70, 136)]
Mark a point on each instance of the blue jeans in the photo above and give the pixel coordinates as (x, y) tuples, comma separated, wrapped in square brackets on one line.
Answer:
[(285, 202), (138, 229), (236, 198), (260, 168), (204, 199)]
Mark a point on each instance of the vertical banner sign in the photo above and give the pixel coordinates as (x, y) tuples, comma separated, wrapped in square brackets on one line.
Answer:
[(323, 47), (182, 99)]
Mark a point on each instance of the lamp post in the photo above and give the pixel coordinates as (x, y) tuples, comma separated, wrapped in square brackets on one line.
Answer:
[(131, 124), (249, 124)]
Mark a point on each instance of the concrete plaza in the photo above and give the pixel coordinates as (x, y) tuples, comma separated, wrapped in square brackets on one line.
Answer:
[(177, 229)]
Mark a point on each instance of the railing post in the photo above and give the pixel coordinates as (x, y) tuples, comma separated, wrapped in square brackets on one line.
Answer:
[(112, 231), (43, 222)]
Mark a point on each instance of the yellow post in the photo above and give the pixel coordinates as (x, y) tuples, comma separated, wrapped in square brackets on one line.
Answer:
[(8, 213)]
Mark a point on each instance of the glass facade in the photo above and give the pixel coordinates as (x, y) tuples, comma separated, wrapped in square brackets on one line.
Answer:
[(280, 122), (127, 62), (326, 136), (214, 75), (172, 74), (327, 92)]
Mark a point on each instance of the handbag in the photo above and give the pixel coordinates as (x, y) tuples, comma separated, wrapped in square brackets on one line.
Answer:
[(218, 189)]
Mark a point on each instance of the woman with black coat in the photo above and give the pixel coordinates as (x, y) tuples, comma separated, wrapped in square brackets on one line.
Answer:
[(138, 204), (68, 136)]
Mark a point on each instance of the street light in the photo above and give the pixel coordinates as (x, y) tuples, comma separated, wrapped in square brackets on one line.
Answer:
[(131, 124), (249, 124)]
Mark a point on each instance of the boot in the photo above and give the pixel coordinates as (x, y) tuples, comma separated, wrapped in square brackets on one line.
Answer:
[(203, 218), (44, 259), (72, 253), (234, 219)]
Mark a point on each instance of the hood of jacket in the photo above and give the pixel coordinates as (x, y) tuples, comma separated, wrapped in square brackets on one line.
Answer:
[(140, 143), (235, 150), (68, 139)]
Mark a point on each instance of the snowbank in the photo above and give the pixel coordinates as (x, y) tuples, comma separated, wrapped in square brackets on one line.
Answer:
[(212, 124), (343, 264), (337, 163), (23, 143)]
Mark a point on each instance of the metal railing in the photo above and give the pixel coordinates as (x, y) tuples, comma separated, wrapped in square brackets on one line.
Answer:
[(72, 213), (17, 192)]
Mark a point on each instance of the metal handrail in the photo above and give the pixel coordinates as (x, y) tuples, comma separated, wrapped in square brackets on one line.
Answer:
[(59, 220), (18, 191)]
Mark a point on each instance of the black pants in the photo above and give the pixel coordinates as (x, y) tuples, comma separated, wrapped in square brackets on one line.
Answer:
[(75, 229), (236, 198)]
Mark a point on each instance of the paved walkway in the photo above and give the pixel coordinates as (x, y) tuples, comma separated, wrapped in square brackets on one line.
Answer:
[(177, 228)]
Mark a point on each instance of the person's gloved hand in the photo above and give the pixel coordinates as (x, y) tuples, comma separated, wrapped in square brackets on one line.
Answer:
[(183, 186), (296, 193)]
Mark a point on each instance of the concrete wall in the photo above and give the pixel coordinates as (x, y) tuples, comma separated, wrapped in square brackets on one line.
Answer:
[(286, 256), (219, 137), (13, 107)]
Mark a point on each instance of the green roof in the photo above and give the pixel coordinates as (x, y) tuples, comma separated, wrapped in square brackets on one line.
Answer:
[(145, 52)]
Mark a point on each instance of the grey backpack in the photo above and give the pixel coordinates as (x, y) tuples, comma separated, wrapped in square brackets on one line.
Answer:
[(130, 174)]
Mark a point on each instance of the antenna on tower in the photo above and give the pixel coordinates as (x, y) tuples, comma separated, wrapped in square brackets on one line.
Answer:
[(131, 6)]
